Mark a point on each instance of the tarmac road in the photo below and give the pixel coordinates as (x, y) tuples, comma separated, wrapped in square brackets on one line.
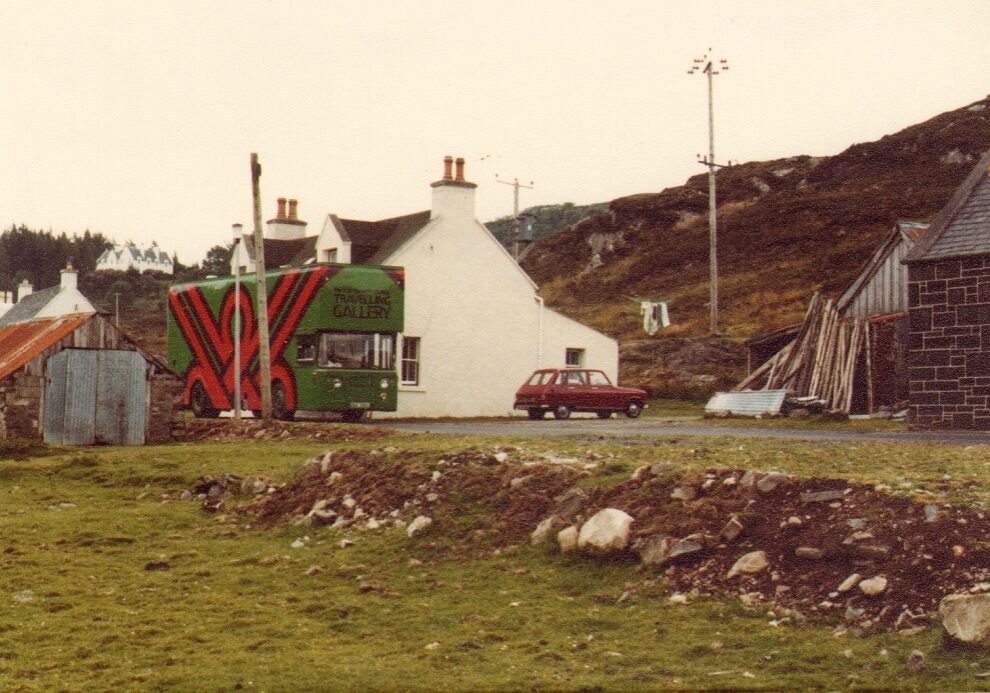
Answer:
[(644, 429)]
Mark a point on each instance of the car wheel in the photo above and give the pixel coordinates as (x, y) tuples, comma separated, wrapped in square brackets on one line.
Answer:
[(352, 416), (199, 402), (604, 415), (561, 411), (536, 414), (280, 410), (634, 409)]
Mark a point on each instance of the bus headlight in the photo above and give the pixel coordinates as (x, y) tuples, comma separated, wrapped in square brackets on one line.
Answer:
[(383, 383), (337, 383)]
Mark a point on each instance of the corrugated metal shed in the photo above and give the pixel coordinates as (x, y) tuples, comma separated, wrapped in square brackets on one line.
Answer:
[(881, 286), (753, 403), (23, 341)]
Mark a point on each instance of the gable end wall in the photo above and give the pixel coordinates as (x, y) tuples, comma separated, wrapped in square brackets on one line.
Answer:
[(949, 307)]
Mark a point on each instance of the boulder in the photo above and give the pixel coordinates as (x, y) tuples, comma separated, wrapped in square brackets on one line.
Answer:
[(770, 482), (546, 529), (570, 504), (655, 549), (418, 525), (849, 583), (873, 586), (966, 617), (809, 552), (567, 539), (685, 546), (748, 480), (752, 562), (733, 528), (684, 493), (606, 531)]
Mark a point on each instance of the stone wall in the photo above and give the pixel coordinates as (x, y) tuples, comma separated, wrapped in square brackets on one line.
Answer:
[(949, 306), (165, 412), (20, 406)]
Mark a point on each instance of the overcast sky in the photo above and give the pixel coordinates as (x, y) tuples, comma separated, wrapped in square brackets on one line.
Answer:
[(137, 118)]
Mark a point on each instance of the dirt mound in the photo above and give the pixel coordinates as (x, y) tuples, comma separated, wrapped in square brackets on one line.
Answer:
[(815, 533), (683, 366), (229, 430), (472, 494)]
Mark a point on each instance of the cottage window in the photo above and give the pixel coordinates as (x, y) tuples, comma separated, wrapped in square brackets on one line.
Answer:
[(410, 360), (574, 358)]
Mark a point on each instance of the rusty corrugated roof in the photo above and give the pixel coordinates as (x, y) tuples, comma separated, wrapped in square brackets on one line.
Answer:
[(21, 342)]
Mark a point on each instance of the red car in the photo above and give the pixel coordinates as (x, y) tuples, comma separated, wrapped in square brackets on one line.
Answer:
[(563, 390)]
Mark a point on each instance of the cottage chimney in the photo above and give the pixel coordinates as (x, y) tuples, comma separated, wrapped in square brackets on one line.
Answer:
[(286, 226), (25, 288), (453, 196), (69, 278)]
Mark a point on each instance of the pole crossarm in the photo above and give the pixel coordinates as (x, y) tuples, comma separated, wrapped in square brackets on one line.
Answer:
[(515, 210)]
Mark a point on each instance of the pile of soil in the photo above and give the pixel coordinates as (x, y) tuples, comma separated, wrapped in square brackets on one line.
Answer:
[(815, 533), (230, 430)]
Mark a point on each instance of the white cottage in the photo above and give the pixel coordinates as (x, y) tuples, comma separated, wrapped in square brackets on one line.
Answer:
[(475, 325)]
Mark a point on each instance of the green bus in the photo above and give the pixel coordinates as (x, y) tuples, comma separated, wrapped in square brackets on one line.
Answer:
[(332, 328)]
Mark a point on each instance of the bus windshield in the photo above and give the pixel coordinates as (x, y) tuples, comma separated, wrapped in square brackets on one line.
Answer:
[(368, 350)]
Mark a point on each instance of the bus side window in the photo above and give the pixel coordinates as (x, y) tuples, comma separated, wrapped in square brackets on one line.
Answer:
[(305, 348)]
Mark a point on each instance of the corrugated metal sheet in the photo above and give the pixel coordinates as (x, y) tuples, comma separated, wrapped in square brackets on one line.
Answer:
[(755, 403), (121, 396), (22, 342), (95, 396)]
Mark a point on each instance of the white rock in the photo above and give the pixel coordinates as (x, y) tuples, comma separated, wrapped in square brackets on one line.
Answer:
[(752, 562), (298, 544), (966, 617), (501, 457), (325, 462), (334, 478), (849, 583), (545, 529), (605, 531), (349, 502), (419, 524), (873, 586), (567, 539)]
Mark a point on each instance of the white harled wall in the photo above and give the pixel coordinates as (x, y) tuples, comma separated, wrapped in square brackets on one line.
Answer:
[(478, 318)]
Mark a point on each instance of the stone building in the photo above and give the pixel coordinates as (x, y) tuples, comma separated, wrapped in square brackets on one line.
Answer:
[(949, 306), (70, 376)]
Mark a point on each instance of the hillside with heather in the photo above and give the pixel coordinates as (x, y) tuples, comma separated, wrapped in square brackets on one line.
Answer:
[(787, 228)]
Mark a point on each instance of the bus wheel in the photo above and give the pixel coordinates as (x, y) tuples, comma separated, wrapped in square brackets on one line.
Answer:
[(280, 409), (352, 416), (200, 403)]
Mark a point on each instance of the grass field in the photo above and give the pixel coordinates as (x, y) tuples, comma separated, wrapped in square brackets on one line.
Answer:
[(107, 587)]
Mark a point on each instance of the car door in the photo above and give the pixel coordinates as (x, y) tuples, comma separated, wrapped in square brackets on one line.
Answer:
[(602, 393)]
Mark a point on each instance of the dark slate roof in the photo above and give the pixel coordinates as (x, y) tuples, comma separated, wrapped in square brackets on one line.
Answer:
[(963, 225), (279, 253), (29, 306), (372, 242)]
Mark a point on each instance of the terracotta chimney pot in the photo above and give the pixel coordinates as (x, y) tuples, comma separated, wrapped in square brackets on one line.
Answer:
[(292, 208), (281, 208), (460, 170), (448, 161)]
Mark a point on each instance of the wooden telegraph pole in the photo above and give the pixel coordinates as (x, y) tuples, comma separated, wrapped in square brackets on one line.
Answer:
[(264, 349)]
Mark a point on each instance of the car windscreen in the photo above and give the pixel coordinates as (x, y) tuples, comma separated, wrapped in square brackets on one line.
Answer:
[(540, 378)]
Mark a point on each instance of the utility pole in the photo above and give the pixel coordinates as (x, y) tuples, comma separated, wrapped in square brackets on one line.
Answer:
[(515, 211), (264, 349), (116, 310), (706, 65), (238, 234)]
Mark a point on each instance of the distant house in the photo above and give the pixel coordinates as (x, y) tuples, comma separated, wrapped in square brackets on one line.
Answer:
[(129, 256), (475, 325), (69, 376), (949, 305)]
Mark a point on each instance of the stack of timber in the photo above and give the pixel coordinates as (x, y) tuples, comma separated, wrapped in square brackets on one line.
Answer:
[(822, 361)]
